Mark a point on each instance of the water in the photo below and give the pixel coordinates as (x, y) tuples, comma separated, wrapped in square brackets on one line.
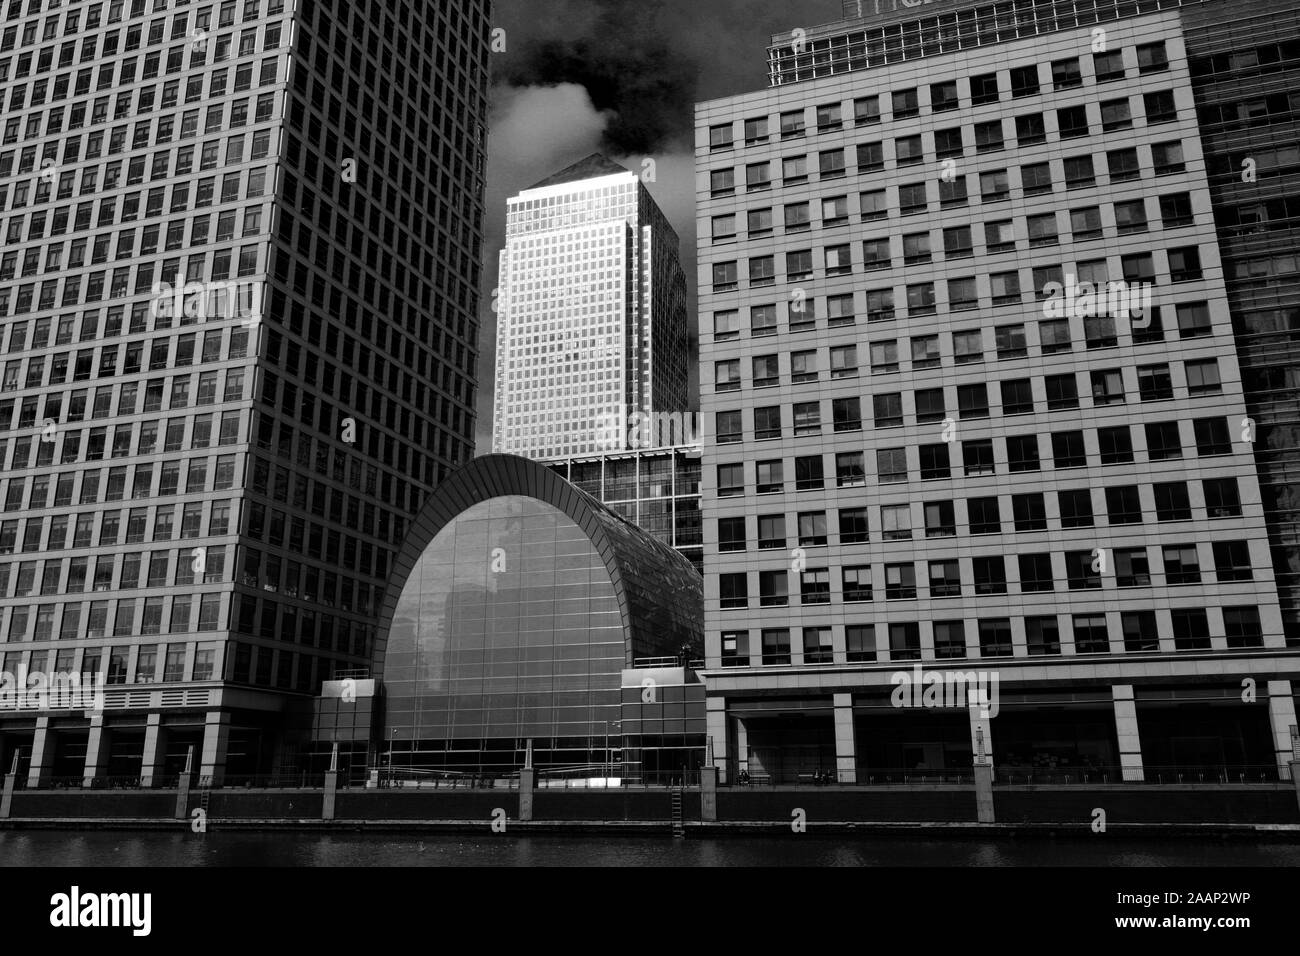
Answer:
[(82, 848)]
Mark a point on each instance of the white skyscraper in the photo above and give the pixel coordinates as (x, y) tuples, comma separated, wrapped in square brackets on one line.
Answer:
[(592, 325)]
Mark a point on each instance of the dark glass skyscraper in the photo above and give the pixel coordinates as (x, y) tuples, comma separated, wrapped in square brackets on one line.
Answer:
[(202, 500)]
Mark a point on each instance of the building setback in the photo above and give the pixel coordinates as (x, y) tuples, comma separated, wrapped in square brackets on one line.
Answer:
[(926, 444), (591, 318), (202, 502)]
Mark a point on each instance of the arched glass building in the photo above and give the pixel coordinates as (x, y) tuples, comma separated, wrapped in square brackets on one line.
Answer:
[(516, 604)]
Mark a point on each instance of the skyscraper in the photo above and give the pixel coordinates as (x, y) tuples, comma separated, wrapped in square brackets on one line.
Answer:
[(986, 352), (591, 318), (203, 500)]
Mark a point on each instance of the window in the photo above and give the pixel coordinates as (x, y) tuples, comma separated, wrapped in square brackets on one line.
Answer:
[(731, 534), (762, 320), (776, 646), (1123, 504), (962, 294), (1242, 627), (1222, 499), (853, 526), (1140, 632), (940, 519), (912, 199), (908, 150), (735, 648), (1090, 636), (1176, 210), (1042, 230), (887, 409), (920, 299), (905, 642), (773, 589), (1085, 222), (948, 142), (1122, 164), (977, 457), (726, 375), (794, 169), (815, 588), (1076, 508), (731, 480), (1036, 178), (874, 205), (817, 645), (1132, 569), (1212, 436), (1029, 512), (995, 637), (1182, 564), (1131, 216), (1232, 561), (884, 357), (943, 96), (771, 479), (1030, 129), (830, 164), (1163, 441), (850, 471), (875, 254), (891, 465), (1108, 66), (1022, 453), (952, 192), (1079, 173), (930, 405), (1116, 445), (726, 325), (1082, 570), (758, 176), (999, 236), (1159, 107), (1115, 115), (803, 366), (808, 474), (1152, 57), (934, 462), (793, 124), (1107, 387), (722, 182), (1035, 573), (857, 583), (1068, 450), (812, 529), (729, 427), (1184, 264), (1203, 377), (896, 522), (984, 516), (1042, 636), (860, 643), (900, 581), (871, 157), (1066, 74), (767, 422), (973, 401), (1191, 628), (847, 414), (984, 88), (957, 242), (905, 103), (1154, 383), (988, 137), (994, 186), (925, 351), (916, 248), (1172, 501), (1024, 81), (1017, 394), (721, 137), (1072, 121), (1167, 158), (866, 110)]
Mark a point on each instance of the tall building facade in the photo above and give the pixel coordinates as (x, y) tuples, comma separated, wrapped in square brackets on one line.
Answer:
[(975, 407), (241, 247), (592, 338)]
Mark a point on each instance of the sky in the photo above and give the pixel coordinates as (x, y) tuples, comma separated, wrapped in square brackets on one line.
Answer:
[(619, 77)]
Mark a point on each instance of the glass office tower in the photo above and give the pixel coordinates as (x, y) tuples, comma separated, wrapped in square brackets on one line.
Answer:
[(984, 383), (238, 289), (591, 318)]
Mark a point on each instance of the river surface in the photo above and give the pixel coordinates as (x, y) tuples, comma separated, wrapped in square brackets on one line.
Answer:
[(79, 848)]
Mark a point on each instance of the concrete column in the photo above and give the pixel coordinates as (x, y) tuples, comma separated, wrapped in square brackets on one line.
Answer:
[(1126, 732), (742, 745), (38, 773), (1281, 718), (527, 784), (216, 736), (981, 732), (716, 728), (709, 794), (984, 793), (96, 751), (846, 751), (151, 759)]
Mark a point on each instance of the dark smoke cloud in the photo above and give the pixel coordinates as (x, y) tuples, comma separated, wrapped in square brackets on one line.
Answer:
[(630, 59)]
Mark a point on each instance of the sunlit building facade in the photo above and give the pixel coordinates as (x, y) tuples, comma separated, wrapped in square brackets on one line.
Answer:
[(591, 317), (926, 448)]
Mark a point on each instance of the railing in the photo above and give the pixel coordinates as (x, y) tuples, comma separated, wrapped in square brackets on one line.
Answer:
[(1255, 774), (401, 777), (864, 777)]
